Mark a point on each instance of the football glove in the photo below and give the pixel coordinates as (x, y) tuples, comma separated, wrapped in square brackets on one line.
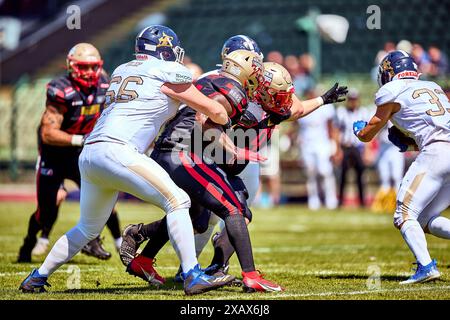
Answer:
[(335, 94), (358, 126), (400, 140)]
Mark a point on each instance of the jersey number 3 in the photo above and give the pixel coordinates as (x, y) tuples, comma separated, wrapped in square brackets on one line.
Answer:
[(434, 100), (123, 94)]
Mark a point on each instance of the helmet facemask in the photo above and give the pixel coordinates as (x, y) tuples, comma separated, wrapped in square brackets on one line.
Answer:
[(275, 94), (86, 74)]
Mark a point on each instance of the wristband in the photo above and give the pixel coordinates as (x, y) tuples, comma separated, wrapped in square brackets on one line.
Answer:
[(320, 101), (77, 140)]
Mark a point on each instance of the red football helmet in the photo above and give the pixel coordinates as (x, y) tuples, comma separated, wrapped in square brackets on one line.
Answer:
[(84, 64)]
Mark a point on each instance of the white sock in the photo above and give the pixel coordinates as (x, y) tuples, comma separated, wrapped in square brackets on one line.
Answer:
[(64, 249), (181, 234), (415, 238), (118, 242), (201, 239), (440, 227)]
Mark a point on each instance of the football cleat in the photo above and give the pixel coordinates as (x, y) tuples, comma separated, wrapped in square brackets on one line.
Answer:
[(178, 278), (424, 273), (253, 281), (196, 281), (41, 247), (131, 240), (34, 283), (95, 249), (142, 267)]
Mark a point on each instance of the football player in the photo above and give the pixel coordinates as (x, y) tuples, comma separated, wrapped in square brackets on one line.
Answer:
[(144, 94), (74, 103), (257, 111), (278, 104), (420, 112), (276, 97), (182, 149)]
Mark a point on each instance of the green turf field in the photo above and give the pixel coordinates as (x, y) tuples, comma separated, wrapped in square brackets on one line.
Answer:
[(314, 255)]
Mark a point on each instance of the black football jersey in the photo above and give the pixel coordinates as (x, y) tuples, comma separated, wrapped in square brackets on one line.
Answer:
[(183, 131), (80, 109)]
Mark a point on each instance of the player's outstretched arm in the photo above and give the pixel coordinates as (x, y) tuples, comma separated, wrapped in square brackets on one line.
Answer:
[(301, 109), (190, 95), (51, 132), (383, 113)]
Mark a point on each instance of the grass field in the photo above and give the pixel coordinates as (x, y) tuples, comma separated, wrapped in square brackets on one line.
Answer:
[(314, 255)]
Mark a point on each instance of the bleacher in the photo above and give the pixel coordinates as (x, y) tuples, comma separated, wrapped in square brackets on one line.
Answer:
[(203, 25)]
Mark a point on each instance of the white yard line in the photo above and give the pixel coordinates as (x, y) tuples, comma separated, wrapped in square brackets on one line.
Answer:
[(339, 293)]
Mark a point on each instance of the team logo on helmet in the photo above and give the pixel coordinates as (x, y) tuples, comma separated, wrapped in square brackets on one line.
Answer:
[(387, 67), (165, 41)]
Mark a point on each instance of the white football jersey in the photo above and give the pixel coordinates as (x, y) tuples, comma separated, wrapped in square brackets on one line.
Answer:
[(137, 109), (424, 114)]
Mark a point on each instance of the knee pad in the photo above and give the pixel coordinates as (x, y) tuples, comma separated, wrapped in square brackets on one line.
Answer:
[(89, 232), (178, 201)]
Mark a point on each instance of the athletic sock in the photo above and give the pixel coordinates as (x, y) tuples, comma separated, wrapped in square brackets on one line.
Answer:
[(240, 239), (151, 229), (181, 235), (415, 238), (118, 243), (114, 225), (63, 250), (440, 227), (201, 239), (157, 232), (223, 250)]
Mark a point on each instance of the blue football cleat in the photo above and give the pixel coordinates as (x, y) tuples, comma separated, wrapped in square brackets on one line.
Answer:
[(424, 273), (196, 281), (34, 282), (178, 278)]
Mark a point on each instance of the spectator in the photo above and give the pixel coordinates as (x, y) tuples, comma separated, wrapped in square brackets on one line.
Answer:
[(292, 65), (439, 62), (352, 148), (421, 58), (305, 81), (275, 56)]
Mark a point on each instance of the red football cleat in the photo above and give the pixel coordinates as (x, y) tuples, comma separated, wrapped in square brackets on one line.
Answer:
[(142, 267), (253, 281)]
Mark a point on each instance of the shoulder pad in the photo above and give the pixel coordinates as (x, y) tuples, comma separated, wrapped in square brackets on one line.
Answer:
[(233, 92), (388, 92), (173, 72), (59, 92)]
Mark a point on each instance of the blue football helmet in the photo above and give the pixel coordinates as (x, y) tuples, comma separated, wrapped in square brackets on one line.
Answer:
[(397, 65), (160, 42), (240, 42)]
